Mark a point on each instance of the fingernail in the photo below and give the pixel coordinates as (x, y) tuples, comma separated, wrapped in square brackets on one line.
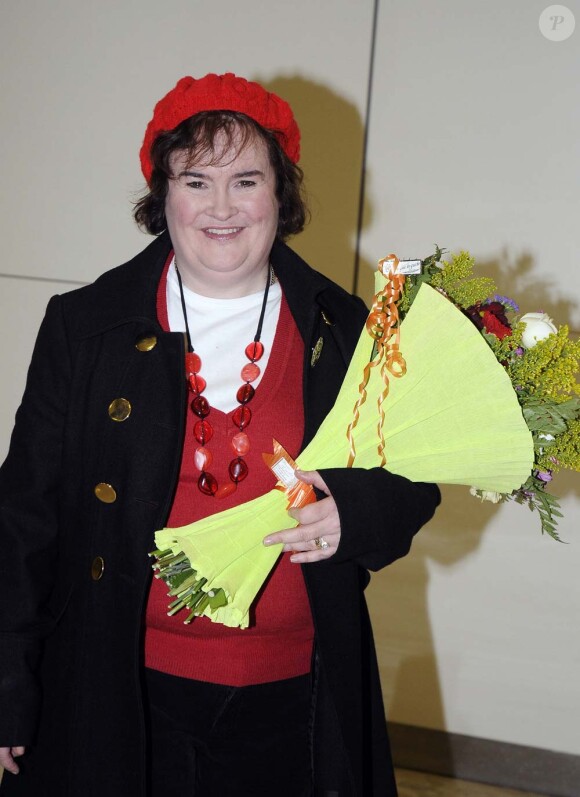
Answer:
[(267, 541)]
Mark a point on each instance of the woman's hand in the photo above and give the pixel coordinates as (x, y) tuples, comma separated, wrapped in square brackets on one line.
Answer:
[(7, 756), (318, 535)]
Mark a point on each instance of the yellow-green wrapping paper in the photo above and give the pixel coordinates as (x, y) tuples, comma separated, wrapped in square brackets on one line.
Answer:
[(453, 418)]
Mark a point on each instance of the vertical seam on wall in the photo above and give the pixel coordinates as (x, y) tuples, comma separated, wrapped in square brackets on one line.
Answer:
[(362, 185)]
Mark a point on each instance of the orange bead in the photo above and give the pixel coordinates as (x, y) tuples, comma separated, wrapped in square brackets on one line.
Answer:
[(241, 443), (226, 489)]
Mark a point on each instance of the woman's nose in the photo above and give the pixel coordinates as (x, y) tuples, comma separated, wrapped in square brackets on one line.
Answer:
[(223, 206)]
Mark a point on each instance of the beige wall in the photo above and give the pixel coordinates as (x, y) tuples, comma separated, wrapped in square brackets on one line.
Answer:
[(472, 144)]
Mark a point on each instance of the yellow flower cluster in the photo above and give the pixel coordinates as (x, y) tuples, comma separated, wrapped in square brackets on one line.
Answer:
[(452, 279), (548, 371), (565, 453), (504, 349)]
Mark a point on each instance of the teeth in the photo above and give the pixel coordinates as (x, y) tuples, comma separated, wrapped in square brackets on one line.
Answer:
[(221, 231)]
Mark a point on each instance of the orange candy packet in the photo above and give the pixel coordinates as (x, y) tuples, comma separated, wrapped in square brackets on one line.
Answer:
[(283, 466)]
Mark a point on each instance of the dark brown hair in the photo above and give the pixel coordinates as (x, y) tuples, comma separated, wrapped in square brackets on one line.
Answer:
[(196, 136)]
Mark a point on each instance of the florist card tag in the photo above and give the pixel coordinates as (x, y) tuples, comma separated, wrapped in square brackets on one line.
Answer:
[(408, 267), (285, 473), (283, 466)]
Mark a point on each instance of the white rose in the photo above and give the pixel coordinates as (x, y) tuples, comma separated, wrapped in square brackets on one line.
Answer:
[(538, 327), (486, 495)]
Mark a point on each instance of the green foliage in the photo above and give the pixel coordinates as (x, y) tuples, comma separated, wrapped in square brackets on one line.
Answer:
[(455, 279), (506, 349), (549, 370), (546, 505)]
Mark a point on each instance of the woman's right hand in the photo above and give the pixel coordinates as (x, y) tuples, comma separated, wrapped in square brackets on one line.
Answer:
[(7, 756)]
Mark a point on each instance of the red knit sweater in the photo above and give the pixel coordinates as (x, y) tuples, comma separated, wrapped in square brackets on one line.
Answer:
[(278, 643)]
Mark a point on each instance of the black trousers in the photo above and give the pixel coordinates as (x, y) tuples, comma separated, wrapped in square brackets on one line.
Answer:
[(208, 740)]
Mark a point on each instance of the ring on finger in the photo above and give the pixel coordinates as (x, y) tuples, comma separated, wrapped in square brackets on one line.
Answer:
[(321, 543)]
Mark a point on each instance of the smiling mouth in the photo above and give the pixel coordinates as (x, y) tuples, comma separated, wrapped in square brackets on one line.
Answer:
[(222, 232)]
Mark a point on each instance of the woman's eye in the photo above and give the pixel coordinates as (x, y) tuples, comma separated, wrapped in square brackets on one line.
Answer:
[(195, 184), (247, 183)]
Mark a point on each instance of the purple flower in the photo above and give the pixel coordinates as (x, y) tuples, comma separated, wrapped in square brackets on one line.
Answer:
[(507, 302), (519, 351), (544, 475)]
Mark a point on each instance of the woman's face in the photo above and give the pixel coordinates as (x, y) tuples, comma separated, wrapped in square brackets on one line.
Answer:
[(222, 220)]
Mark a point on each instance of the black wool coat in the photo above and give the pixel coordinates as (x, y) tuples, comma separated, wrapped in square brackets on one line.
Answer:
[(71, 642)]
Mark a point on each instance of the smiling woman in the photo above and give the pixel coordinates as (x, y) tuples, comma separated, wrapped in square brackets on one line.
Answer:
[(151, 396), (223, 218)]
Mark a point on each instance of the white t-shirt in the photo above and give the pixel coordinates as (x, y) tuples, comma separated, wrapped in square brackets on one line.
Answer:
[(220, 331)]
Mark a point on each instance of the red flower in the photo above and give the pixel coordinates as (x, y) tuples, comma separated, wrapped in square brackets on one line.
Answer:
[(491, 317)]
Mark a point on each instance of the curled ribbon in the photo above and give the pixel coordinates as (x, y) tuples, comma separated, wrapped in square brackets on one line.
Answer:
[(383, 326)]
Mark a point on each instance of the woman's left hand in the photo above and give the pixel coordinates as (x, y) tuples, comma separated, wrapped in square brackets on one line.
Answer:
[(318, 534)]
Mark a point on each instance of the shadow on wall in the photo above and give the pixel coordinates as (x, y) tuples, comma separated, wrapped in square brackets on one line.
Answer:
[(398, 601), (514, 277), (331, 157)]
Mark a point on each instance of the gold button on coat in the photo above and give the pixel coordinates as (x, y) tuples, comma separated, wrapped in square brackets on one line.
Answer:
[(105, 493), (119, 409), (97, 568), (146, 342)]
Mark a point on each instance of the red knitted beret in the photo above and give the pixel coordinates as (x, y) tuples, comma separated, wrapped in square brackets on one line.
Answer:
[(221, 93)]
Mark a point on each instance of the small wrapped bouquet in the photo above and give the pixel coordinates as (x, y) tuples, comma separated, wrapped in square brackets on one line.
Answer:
[(447, 384)]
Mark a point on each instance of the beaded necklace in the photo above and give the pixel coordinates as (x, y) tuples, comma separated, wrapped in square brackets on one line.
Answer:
[(200, 406)]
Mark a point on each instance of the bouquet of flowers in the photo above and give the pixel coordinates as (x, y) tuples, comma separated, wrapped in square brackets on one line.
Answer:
[(432, 325), (542, 363)]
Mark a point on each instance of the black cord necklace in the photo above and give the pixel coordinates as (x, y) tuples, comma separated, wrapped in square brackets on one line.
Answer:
[(200, 406)]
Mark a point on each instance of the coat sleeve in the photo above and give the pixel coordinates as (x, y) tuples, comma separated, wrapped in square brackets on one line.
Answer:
[(29, 509), (380, 512)]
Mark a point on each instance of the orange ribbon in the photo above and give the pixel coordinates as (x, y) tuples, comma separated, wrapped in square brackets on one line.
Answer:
[(383, 326)]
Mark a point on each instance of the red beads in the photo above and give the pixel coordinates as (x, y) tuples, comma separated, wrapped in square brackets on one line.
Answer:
[(254, 350), (203, 430), (238, 470), (197, 383), (202, 458), (250, 372), (200, 406), (207, 483), (245, 394), (241, 443), (192, 363), (242, 417)]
